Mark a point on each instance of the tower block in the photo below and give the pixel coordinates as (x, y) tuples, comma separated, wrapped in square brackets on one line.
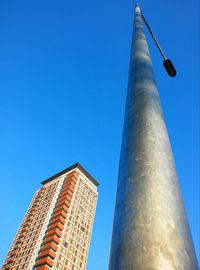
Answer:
[(150, 230)]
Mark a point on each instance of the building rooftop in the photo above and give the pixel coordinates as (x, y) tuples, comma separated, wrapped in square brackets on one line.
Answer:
[(74, 166)]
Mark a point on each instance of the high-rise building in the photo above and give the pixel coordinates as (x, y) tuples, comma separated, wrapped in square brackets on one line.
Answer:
[(150, 228), (56, 230)]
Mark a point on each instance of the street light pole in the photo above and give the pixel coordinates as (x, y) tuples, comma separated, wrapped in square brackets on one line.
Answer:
[(150, 228)]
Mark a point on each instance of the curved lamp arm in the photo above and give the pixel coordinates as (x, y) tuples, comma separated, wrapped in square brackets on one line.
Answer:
[(167, 63)]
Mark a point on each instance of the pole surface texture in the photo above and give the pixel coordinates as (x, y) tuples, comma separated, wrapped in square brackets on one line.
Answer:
[(150, 230)]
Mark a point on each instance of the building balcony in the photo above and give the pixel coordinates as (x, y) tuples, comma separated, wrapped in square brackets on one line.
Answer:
[(44, 261), (63, 202), (43, 267), (64, 193), (56, 225), (30, 215), (23, 231), (52, 238), (14, 248), (62, 207), (58, 219), (10, 260), (54, 231), (18, 242), (6, 267), (60, 200), (47, 253), (12, 253), (49, 246), (60, 213), (22, 235), (69, 185)]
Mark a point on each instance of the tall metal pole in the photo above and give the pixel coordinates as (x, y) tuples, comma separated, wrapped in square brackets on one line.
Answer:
[(150, 230)]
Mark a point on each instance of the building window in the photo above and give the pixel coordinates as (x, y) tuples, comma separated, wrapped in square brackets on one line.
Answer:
[(82, 229), (82, 265), (68, 263), (65, 244), (63, 251), (61, 258), (76, 261), (59, 266)]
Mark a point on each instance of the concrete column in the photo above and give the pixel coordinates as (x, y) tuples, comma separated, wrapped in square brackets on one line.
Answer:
[(150, 230)]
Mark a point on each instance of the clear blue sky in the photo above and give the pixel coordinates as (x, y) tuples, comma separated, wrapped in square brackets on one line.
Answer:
[(63, 78)]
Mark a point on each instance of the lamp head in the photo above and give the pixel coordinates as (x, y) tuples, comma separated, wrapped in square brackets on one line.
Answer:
[(169, 67)]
